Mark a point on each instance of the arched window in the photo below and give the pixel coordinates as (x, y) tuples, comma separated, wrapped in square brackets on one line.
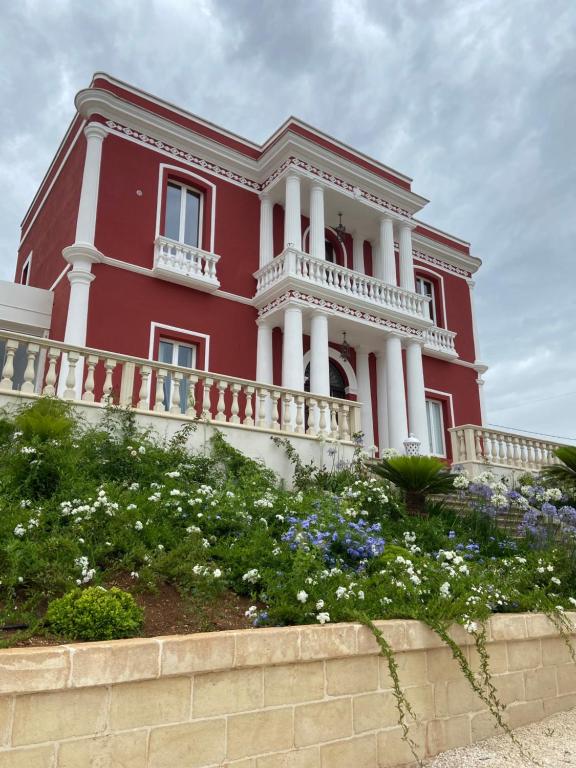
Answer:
[(338, 383)]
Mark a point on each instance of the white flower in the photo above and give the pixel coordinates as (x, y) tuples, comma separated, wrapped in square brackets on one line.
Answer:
[(134, 574), (320, 604), (175, 473), (470, 626), (572, 600), (461, 482), (555, 580), (251, 576), (19, 530), (341, 592), (175, 492), (251, 613), (27, 449), (445, 589), (361, 594), (217, 573), (323, 617), (134, 487), (302, 596), (131, 506), (141, 449), (138, 525), (193, 529)]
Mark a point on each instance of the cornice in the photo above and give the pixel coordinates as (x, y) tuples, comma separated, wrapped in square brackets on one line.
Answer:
[(454, 261)]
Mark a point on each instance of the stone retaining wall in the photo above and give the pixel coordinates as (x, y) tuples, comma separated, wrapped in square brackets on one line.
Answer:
[(297, 697)]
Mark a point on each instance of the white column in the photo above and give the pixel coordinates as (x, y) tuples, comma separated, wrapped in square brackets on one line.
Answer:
[(292, 350), (358, 253), (383, 440), (480, 382), (264, 369), (471, 285), (86, 222), (266, 231), (317, 238), (365, 395), (397, 421), (319, 357), (418, 423), (406, 260), (385, 266), (292, 222)]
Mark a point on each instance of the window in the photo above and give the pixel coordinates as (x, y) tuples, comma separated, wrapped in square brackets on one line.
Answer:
[(183, 209), (329, 254), (175, 353), (25, 273), (426, 288), (337, 381), (435, 420)]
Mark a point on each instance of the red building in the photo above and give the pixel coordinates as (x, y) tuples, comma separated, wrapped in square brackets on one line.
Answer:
[(298, 263)]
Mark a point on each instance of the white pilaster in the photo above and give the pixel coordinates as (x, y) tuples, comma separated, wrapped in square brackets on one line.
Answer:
[(471, 285), (86, 222), (264, 369), (406, 260), (319, 356), (292, 221), (383, 440), (418, 423), (358, 253), (397, 421), (266, 231), (386, 261), (292, 350), (317, 247), (365, 395)]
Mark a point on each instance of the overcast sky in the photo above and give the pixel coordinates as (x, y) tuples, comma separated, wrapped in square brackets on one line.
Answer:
[(475, 99)]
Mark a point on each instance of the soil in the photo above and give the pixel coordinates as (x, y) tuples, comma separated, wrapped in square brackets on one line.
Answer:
[(166, 612)]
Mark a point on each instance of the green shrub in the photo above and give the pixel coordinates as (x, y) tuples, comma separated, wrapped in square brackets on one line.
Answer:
[(95, 614)]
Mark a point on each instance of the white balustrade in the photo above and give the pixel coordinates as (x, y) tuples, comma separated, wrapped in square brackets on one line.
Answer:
[(343, 281), (162, 388), (185, 264), (473, 445), (440, 340)]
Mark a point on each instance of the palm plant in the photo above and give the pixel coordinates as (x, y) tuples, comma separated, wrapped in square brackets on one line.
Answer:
[(564, 474), (416, 477)]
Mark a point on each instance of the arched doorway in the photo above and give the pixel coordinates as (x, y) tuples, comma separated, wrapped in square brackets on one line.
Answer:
[(338, 383)]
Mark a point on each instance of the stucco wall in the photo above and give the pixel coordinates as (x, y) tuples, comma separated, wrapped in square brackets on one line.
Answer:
[(297, 697)]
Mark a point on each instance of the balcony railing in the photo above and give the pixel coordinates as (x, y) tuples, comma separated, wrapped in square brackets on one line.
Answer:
[(97, 377), (310, 273), (185, 264), (440, 340), (495, 448)]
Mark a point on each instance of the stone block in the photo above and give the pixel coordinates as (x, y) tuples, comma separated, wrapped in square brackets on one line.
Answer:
[(149, 702), (524, 654), (190, 744), (394, 633), (566, 677), (484, 726), (442, 665), (455, 697), (510, 687), (356, 675), (323, 721), (540, 683), (235, 690), (33, 669), (539, 625), (508, 626), (259, 647), (297, 758), (559, 704), (117, 750), (117, 661), (412, 669), (374, 711), (555, 652), (419, 637), (53, 716), (37, 757), (293, 683), (524, 713), (6, 704), (327, 642), (197, 653), (498, 658), (393, 751), (360, 752), (260, 732), (447, 734)]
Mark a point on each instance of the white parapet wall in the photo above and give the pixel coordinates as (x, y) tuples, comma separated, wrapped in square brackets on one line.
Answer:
[(25, 309), (294, 697)]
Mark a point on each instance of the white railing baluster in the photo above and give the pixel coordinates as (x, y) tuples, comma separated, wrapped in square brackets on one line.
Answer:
[(262, 400), (144, 392), (91, 363), (248, 409), (206, 402), (51, 377), (299, 428), (70, 391), (192, 379), (30, 372), (175, 392), (8, 369), (275, 414), (312, 416), (161, 374), (287, 413), (235, 408), (221, 405), (109, 365)]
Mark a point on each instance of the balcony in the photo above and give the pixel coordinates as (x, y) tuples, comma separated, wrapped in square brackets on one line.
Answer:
[(297, 270), (185, 265)]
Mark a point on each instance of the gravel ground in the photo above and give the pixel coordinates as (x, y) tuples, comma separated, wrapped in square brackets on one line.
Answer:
[(552, 743)]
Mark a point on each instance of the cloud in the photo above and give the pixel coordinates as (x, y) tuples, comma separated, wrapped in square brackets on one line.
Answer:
[(473, 99)]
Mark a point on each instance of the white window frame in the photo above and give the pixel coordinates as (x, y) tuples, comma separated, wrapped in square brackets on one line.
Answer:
[(184, 189), (419, 284), (176, 344), (429, 421), (27, 265)]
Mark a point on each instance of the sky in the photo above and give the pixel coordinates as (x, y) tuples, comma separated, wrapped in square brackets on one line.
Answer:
[(474, 99)]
